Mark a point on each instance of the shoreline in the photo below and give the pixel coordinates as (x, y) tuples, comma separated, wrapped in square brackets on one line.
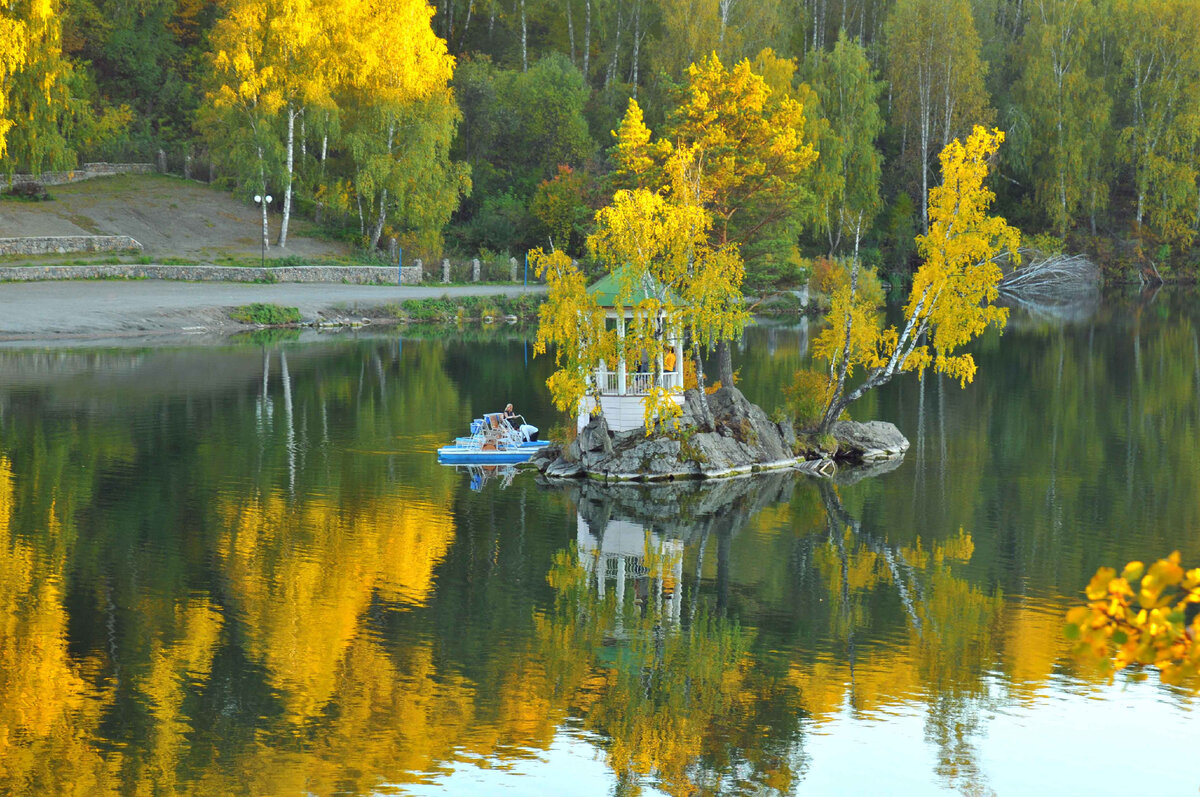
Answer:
[(167, 312)]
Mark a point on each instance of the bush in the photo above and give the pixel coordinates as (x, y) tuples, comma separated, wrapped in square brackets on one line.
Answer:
[(828, 275), (266, 314), (807, 397)]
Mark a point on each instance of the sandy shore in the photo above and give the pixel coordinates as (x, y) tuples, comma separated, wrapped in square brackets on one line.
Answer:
[(149, 311)]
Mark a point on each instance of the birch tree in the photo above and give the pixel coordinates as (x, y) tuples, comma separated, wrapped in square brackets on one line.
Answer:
[(849, 103), (271, 62), (1068, 109), (1159, 41), (34, 98), (936, 77), (400, 119), (952, 292)]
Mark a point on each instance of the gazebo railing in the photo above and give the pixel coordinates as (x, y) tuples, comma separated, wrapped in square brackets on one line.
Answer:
[(637, 383)]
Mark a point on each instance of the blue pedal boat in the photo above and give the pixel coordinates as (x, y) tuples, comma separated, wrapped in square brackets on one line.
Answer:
[(494, 440)]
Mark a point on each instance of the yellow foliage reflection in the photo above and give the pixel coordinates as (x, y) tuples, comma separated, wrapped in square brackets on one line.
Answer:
[(303, 574), (46, 712)]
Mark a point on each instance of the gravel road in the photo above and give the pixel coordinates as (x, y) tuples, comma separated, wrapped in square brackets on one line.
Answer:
[(161, 311)]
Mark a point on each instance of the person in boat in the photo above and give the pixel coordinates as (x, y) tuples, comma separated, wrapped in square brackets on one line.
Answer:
[(529, 432)]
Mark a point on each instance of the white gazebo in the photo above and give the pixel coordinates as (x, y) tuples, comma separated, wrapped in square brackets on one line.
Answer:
[(621, 390)]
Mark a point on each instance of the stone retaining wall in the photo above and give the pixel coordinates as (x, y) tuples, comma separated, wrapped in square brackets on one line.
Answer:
[(85, 172), (62, 244), (357, 275)]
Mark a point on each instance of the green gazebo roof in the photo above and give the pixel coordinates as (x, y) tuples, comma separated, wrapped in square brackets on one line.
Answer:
[(607, 288)]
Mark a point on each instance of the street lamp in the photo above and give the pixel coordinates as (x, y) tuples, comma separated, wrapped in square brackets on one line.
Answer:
[(264, 202)]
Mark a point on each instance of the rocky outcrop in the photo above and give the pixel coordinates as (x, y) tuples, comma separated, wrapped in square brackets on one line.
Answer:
[(733, 437), (730, 437), (868, 442)]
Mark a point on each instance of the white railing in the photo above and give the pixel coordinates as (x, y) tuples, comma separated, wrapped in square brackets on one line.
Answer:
[(637, 383)]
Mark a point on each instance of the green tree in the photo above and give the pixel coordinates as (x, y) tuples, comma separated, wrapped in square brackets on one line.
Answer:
[(1067, 107), (1161, 70), (849, 100), (937, 78), (34, 79)]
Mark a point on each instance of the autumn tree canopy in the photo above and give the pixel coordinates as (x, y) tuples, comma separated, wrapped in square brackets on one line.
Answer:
[(950, 302)]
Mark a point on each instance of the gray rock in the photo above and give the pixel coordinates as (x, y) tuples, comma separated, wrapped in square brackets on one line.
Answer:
[(562, 469), (595, 437), (868, 442), (654, 456), (544, 456)]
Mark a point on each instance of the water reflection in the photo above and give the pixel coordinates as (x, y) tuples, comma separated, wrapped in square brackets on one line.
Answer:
[(242, 572)]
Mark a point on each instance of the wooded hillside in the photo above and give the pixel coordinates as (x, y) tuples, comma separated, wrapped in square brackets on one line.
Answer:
[(486, 125)]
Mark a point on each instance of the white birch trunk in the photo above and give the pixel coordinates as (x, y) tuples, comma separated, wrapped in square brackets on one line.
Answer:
[(292, 113)]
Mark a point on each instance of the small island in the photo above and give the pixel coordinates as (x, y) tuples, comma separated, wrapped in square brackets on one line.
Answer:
[(734, 437), (673, 293)]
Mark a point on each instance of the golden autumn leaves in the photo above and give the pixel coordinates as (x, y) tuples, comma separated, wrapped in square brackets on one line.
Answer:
[(952, 292), (1140, 618)]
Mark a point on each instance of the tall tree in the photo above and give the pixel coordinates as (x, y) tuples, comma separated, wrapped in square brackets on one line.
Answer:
[(399, 121), (936, 76), (33, 87), (849, 100), (750, 152), (273, 61), (1158, 41), (952, 291), (1067, 107)]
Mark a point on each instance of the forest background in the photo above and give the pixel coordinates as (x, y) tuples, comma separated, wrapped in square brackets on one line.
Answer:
[(484, 127)]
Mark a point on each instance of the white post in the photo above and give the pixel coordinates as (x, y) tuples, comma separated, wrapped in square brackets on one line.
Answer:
[(445, 271), (475, 270), (621, 361), (679, 362), (602, 375)]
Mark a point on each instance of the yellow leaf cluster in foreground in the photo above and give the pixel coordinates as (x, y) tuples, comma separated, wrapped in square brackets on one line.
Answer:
[(1139, 618)]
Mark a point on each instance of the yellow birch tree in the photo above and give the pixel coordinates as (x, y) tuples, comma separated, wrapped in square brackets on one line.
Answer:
[(952, 292), (573, 322)]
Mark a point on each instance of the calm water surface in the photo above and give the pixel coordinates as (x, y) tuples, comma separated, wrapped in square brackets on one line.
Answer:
[(241, 571)]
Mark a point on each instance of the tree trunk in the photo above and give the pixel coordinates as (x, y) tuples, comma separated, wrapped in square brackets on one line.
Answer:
[(637, 24), (292, 113), (571, 32), (262, 179), (616, 54), (725, 363), (377, 227), (587, 37), (524, 39), (706, 421)]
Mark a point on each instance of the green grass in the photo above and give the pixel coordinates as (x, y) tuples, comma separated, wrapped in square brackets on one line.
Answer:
[(461, 308), (266, 314)]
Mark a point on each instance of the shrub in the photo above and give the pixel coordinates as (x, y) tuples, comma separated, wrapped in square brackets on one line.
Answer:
[(807, 397), (266, 314), (829, 275)]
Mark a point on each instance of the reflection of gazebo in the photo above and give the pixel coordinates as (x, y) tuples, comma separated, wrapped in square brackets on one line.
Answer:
[(621, 390), (625, 551)]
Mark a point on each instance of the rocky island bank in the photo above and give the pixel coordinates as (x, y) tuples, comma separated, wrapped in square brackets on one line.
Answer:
[(733, 437)]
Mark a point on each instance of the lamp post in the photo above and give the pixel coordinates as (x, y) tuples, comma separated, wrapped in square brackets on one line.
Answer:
[(263, 202)]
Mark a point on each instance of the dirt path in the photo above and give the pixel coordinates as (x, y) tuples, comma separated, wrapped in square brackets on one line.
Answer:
[(162, 312)]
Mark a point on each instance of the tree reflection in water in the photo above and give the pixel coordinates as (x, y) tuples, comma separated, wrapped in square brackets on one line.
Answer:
[(686, 696)]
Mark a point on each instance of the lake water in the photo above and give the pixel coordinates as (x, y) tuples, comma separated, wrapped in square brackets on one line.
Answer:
[(239, 570)]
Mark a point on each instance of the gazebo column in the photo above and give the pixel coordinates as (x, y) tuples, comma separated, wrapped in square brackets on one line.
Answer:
[(679, 362), (621, 355)]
